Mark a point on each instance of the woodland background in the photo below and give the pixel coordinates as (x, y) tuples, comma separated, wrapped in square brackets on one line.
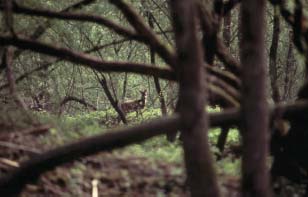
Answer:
[(226, 82)]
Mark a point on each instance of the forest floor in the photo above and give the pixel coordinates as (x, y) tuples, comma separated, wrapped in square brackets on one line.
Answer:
[(112, 174)]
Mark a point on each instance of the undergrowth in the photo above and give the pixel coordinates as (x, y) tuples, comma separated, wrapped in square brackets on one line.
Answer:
[(70, 128)]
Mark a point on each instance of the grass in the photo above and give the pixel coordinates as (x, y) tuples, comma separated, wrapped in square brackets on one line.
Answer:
[(67, 128)]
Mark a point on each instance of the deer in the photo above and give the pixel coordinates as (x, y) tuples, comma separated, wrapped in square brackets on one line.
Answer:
[(134, 105)]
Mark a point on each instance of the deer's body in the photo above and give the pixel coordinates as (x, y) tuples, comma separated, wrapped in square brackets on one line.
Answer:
[(134, 105)]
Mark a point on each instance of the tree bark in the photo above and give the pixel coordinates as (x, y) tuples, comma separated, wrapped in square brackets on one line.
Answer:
[(227, 30), (156, 79), (223, 136), (199, 165), (113, 102), (255, 180), (290, 70), (273, 70)]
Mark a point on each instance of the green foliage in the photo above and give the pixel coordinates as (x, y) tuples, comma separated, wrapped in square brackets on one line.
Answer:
[(229, 166), (68, 128)]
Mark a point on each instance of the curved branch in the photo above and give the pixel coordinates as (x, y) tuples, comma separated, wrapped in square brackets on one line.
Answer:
[(110, 140), (229, 95), (78, 100), (224, 75), (219, 96), (231, 63), (48, 64), (86, 60)]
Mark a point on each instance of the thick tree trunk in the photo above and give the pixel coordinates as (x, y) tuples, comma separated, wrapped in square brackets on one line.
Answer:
[(200, 170), (273, 70), (255, 180)]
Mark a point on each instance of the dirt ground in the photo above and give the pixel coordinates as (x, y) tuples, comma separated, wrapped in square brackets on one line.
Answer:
[(110, 174)]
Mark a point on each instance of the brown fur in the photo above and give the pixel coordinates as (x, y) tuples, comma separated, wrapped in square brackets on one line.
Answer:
[(136, 105)]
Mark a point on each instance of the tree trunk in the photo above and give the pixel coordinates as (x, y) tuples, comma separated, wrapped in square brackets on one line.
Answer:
[(124, 86), (156, 80), (290, 70), (200, 170), (112, 101), (227, 30), (223, 136), (255, 180), (273, 70)]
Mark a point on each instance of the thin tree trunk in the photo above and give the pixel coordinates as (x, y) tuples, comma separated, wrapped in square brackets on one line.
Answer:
[(124, 86), (273, 70), (227, 30), (199, 165), (8, 61), (156, 80), (239, 33), (222, 139), (289, 69), (223, 136), (255, 180), (112, 101)]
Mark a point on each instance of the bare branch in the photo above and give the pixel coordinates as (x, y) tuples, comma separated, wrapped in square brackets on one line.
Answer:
[(110, 140), (42, 28), (78, 17), (86, 60), (231, 117), (144, 34), (78, 100), (141, 27)]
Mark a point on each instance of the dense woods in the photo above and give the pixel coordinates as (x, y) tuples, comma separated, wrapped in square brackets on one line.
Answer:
[(153, 98)]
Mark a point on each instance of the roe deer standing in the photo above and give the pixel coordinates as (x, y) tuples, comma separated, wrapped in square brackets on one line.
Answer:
[(134, 105)]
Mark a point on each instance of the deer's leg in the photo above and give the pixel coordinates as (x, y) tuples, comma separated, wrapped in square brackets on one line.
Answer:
[(141, 114)]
